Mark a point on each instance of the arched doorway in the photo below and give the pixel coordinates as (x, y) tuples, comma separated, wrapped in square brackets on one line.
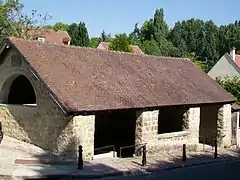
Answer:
[(21, 92)]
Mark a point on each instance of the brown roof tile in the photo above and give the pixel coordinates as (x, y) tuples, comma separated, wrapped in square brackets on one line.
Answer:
[(235, 107), (86, 79), (50, 35)]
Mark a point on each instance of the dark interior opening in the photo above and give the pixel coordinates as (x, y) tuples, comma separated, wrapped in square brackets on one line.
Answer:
[(208, 124), (170, 119), (115, 128), (21, 92)]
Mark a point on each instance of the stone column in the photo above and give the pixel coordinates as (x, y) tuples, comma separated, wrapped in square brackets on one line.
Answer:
[(193, 124), (146, 127), (83, 133), (224, 125)]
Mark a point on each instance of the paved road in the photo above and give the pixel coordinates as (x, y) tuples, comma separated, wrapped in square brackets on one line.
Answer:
[(220, 171)]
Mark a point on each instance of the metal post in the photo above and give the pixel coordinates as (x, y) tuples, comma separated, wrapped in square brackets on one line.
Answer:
[(1, 133), (215, 152), (80, 157), (144, 156), (204, 141), (184, 156), (120, 152), (113, 151)]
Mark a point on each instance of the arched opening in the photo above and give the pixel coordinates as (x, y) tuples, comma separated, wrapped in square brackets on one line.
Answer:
[(21, 92)]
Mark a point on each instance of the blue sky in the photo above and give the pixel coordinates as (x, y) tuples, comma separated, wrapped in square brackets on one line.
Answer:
[(116, 16)]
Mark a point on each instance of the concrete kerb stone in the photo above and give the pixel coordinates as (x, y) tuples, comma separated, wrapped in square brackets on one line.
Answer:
[(185, 165), (142, 171), (6, 177)]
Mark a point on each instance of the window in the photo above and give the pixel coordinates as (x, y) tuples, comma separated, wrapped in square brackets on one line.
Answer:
[(41, 39), (21, 92), (170, 119)]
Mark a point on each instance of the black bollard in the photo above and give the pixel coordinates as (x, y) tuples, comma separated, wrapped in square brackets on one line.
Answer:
[(144, 156), (80, 157), (1, 132), (184, 156), (215, 152)]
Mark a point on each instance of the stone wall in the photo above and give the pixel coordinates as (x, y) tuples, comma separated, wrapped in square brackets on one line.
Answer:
[(147, 132), (224, 125), (83, 133), (194, 123), (43, 124), (235, 127)]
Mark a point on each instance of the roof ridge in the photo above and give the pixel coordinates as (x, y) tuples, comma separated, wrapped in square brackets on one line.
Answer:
[(109, 51)]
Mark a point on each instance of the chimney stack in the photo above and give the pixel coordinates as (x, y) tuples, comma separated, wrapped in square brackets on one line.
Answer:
[(233, 53)]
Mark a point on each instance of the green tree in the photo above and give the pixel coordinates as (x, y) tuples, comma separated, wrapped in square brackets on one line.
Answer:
[(197, 60), (160, 28), (104, 37), (121, 43), (60, 26), (134, 36), (232, 85), (151, 47), (146, 31), (210, 41), (176, 36), (94, 42), (79, 34), (15, 23)]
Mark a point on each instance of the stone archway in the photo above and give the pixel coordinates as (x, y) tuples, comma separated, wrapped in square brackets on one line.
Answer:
[(18, 89)]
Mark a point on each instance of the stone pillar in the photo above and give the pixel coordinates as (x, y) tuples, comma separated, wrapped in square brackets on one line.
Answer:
[(146, 127), (224, 125), (194, 124), (83, 133)]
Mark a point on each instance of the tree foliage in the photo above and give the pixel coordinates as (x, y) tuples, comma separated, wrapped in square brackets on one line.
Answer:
[(104, 37), (79, 34), (121, 43), (15, 23), (232, 85), (60, 26), (94, 42), (201, 41)]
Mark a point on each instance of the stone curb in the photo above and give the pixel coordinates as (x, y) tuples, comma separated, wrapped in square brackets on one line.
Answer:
[(214, 161), (6, 177), (124, 173)]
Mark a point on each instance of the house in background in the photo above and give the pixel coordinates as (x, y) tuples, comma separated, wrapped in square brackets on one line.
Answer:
[(50, 36), (105, 46), (227, 66)]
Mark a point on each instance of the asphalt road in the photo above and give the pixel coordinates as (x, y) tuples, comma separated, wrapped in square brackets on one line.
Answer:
[(220, 171)]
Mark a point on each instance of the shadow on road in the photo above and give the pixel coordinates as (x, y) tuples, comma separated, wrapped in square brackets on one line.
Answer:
[(58, 167)]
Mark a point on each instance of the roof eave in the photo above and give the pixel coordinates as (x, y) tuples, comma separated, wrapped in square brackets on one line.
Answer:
[(93, 111)]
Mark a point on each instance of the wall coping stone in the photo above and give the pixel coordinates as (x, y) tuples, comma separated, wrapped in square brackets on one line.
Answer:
[(173, 134), (19, 105)]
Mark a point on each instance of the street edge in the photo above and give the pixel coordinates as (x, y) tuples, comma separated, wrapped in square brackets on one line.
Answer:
[(123, 173)]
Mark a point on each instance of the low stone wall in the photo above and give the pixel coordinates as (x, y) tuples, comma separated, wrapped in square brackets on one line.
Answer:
[(50, 131), (238, 137), (168, 143)]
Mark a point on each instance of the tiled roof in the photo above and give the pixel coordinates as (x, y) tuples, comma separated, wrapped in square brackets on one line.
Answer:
[(235, 107), (51, 36), (87, 79), (237, 59)]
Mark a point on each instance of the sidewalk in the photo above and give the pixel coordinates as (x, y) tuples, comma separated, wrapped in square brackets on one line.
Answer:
[(95, 168), (115, 166)]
